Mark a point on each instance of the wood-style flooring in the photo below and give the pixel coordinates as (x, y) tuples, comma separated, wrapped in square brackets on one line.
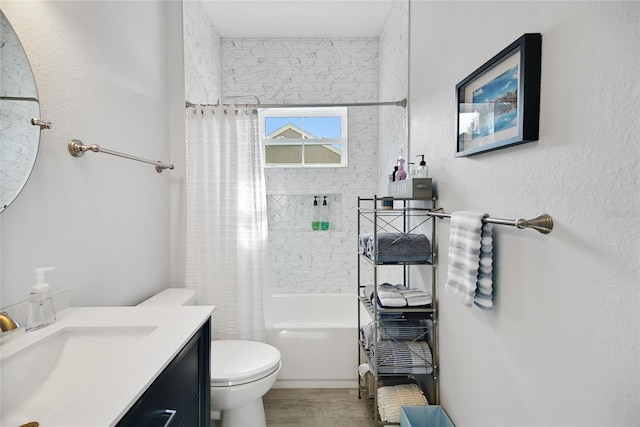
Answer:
[(314, 407)]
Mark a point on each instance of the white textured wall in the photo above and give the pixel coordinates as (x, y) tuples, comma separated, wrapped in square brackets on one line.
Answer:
[(560, 346), (313, 71), (101, 71)]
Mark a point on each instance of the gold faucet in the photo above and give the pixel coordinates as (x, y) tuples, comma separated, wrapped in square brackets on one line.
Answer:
[(7, 323)]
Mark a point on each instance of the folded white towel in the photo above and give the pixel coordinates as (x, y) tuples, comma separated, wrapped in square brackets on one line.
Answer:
[(392, 398), (394, 296), (391, 298), (469, 274), (415, 297), (363, 369)]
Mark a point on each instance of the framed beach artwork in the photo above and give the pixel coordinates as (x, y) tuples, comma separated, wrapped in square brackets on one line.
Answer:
[(499, 103)]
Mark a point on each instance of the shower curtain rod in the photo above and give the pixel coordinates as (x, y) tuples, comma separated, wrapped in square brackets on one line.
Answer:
[(402, 103)]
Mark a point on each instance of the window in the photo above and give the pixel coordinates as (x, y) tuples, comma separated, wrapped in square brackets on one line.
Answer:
[(304, 137)]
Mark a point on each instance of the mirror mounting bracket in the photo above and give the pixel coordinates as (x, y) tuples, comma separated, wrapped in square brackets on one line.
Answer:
[(43, 124)]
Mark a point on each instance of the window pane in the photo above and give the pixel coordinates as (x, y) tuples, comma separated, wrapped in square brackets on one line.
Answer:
[(304, 136), (323, 154), (283, 127), (323, 127), (303, 127), (283, 154)]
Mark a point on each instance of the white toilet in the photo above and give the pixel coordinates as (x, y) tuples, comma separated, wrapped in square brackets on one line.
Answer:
[(241, 371)]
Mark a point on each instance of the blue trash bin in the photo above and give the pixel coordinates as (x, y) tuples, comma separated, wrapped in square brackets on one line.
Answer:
[(424, 416)]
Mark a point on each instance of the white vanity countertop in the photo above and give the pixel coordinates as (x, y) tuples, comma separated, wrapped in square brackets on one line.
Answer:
[(103, 400)]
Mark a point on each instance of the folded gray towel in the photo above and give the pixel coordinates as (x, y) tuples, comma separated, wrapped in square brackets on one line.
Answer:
[(403, 357), (368, 292), (366, 334), (396, 247), (405, 329), (396, 357)]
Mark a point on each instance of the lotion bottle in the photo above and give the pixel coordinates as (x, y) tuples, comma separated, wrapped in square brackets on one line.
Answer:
[(41, 311), (422, 169), (401, 174)]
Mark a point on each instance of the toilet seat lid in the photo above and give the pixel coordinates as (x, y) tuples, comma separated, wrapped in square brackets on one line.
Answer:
[(236, 362)]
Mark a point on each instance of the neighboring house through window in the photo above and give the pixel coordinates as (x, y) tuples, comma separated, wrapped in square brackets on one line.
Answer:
[(304, 137)]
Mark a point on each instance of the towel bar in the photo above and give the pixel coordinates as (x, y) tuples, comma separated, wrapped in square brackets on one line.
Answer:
[(542, 223), (77, 149)]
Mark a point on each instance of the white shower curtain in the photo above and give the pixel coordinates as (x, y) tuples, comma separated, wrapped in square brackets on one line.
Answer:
[(226, 219)]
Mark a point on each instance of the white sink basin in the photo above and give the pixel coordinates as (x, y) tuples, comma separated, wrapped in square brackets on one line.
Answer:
[(92, 365), (45, 374)]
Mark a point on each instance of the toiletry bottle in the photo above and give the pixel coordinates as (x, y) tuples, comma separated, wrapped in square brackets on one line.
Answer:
[(411, 171), (324, 215), (401, 174), (394, 174), (422, 169), (41, 311), (315, 214)]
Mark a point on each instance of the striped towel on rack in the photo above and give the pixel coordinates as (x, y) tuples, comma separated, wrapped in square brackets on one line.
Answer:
[(470, 269), (484, 291)]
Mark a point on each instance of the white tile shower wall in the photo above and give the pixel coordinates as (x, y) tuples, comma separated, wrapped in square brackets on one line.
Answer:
[(301, 70), (293, 212), (394, 78), (394, 85), (201, 55), (314, 71)]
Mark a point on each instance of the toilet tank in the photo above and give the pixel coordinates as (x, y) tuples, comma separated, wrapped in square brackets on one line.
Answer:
[(171, 297)]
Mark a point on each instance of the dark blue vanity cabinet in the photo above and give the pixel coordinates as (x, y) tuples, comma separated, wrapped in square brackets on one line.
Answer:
[(180, 396)]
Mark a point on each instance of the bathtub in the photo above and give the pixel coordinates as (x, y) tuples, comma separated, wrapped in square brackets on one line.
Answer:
[(317, 335)]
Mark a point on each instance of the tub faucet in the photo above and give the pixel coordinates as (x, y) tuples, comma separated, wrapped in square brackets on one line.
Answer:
[(7, 323)]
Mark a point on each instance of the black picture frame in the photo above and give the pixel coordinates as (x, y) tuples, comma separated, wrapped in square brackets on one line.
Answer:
[(499, 103)]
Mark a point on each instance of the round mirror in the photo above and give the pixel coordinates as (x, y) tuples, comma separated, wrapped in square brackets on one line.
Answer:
[(19, 138)]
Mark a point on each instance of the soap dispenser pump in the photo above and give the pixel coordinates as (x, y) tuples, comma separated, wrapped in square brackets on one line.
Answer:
[(315, 214), (41, 311), (324, 216)]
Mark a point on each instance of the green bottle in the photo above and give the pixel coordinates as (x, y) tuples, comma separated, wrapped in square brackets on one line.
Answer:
[(315, 214), (324, 215)]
